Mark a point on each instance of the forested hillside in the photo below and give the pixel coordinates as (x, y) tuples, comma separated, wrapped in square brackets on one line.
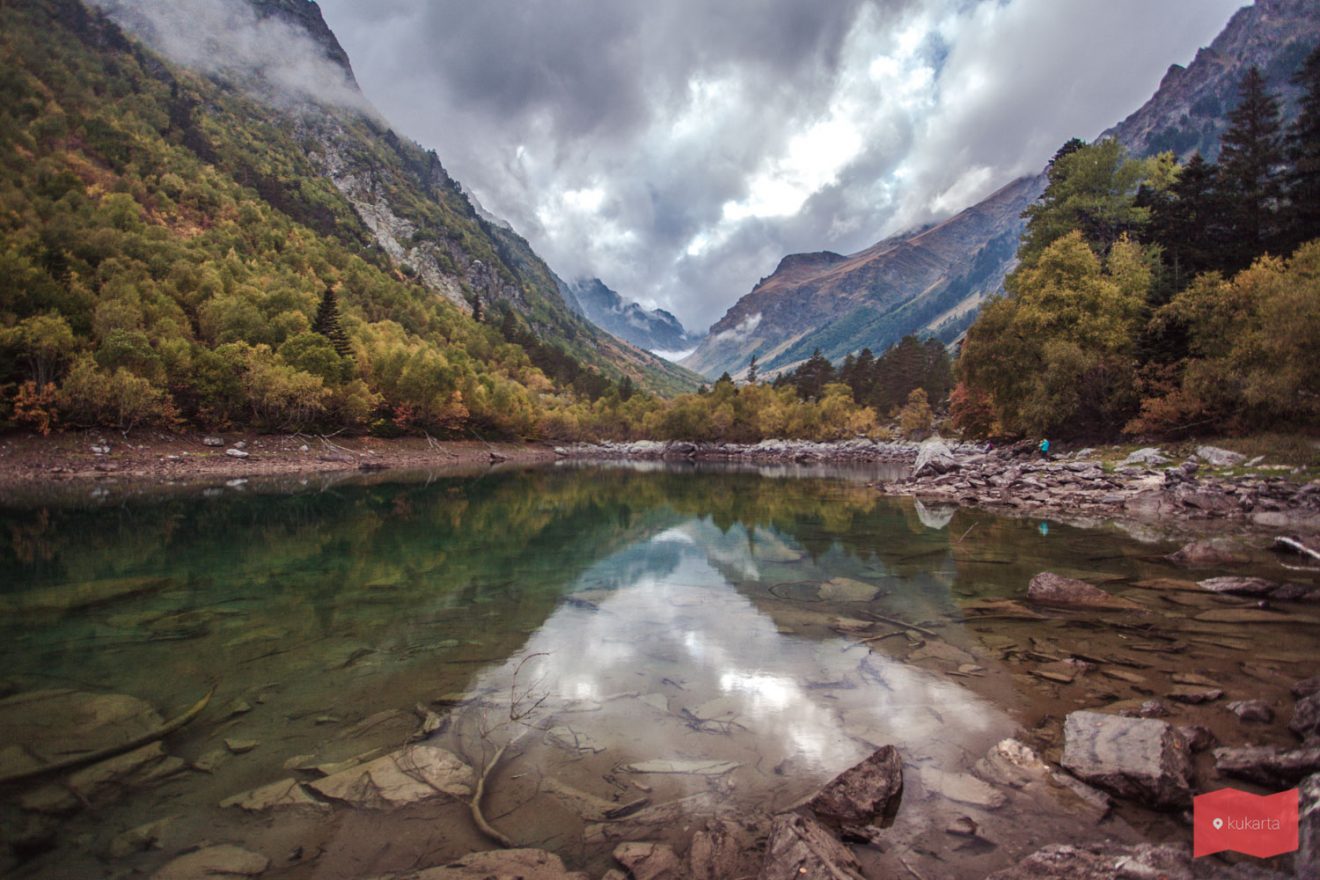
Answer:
[(169, 240), (1162, 298)]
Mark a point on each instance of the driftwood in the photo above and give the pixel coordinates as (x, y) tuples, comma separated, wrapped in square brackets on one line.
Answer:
[(475, 804), (136, 742), (1296, 546)]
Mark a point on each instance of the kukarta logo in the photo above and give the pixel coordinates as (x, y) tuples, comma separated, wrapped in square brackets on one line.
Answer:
[(1260, 825)]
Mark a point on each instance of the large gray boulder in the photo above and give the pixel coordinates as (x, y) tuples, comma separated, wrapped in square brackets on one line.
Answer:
[(934, 457), (1306, 717), (1139, 758)]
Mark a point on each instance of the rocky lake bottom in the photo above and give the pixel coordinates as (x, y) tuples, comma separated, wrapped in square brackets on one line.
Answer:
[(599, 655)]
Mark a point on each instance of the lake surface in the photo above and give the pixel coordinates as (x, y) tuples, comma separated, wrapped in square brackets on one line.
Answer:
[(630, 649)]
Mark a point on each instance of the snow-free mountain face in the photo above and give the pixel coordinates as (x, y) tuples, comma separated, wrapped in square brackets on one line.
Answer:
[(655, 330), (931, 281)]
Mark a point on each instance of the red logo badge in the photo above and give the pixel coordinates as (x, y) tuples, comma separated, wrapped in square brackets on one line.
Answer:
[(1254, 824)]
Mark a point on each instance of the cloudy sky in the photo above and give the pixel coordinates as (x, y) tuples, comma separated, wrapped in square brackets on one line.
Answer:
[(678, 149)]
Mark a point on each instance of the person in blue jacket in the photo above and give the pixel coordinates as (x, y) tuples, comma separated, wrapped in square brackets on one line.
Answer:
[(1045, 449)]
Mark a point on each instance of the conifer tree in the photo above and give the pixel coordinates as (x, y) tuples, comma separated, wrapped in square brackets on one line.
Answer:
[(752, 371), (327, 324), (1251, 164), (1303, 214)]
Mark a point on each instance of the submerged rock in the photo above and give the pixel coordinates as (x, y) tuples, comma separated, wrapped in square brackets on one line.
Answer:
[(1138, 758), (499, 864), (1204, 553), (1048, 588), (800, 849), (864, 792), (695, 768), (1240, 586), (224, 861), (961, 787), (283, 795), (409, 775), (842, 589)]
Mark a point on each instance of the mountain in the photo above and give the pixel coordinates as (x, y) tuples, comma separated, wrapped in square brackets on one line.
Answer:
[(650, 329), (931, 281), (390, 196)]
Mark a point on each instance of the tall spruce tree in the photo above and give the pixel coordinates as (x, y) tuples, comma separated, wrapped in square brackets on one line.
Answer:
[(327, 324), (1302, 219), (1187, 223), (1251, 164)]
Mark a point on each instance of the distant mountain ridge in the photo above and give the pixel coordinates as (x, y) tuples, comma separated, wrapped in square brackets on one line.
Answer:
[(650, 329), (931, 281)]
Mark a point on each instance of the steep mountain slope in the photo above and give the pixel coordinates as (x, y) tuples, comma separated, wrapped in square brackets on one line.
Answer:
[(393, 194), (649, 329), (932, 280)]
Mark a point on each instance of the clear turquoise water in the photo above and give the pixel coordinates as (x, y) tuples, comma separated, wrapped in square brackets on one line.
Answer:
[(654, 614)]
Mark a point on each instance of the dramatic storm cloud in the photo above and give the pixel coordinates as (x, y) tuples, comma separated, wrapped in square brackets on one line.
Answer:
[(677, 150)]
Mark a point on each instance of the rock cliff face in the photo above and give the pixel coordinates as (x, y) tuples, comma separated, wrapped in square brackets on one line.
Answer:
[(649, 329), (932, 280)]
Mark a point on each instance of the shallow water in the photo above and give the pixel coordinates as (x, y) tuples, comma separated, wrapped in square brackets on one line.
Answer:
[(756, 630)]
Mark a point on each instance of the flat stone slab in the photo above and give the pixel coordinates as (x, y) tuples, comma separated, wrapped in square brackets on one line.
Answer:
[(1140, 758), (283, 795), (863, 792), (409, 775), (961, 787), (1267, 765)]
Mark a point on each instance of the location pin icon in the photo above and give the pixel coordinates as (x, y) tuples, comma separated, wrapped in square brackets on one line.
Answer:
[(1218, 823)]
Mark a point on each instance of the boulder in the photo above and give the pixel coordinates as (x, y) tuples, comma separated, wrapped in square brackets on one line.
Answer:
[(235, 452), (800, 849), (934, 457), (1048, 588), (1204, 553), (1139, 758), (864, 794), (409, 775), (1239, 586), (1148, 457), (1216, 457), (648, 861), (1306, 717), (1306, 687), (1197, 736), (1252, 710), (213, 441), (225, 861), (1194, 696), (1268, 765), (499, 864)]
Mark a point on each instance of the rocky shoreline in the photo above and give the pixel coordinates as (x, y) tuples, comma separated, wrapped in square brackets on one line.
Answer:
[(1147, 485)]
